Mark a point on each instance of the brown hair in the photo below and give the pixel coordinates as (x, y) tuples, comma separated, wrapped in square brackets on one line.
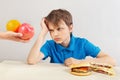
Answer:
[(55, 16)]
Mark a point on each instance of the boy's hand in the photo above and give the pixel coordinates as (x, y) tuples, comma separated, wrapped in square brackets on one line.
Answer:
[(44, 26), (71, 61)]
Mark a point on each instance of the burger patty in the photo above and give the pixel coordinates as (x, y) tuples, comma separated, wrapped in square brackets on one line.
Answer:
[(102, 71), (81, 69)]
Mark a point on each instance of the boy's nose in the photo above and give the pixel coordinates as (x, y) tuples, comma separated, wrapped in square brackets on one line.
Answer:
[(55, 32)]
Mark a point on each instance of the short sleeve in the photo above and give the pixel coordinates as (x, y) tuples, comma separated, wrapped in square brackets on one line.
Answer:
[(91, 49), (45, 50)]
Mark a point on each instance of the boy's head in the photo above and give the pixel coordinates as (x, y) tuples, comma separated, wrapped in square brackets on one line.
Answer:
[(59, 23), (57, 15)]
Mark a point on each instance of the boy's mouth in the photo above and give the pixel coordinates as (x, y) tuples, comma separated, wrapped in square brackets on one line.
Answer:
[(57, 39)]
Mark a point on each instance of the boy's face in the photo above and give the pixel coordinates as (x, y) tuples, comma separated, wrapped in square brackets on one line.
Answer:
[(61, 33)]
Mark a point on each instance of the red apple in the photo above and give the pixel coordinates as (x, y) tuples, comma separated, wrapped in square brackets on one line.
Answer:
[(27, 30)]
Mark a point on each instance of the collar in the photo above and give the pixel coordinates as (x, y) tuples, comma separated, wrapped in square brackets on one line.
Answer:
[(70, 46)]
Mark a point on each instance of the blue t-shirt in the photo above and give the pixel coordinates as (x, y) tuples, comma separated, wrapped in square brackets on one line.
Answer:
[(78, 48)]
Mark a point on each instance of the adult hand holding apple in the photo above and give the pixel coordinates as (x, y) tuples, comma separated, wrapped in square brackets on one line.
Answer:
[(27, 30)]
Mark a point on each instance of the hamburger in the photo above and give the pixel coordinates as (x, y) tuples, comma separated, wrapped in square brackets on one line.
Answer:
[(82, 69), (102, 68)]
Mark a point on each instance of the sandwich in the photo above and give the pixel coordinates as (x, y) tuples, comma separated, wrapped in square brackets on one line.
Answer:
[(82, 69), (102, 68)]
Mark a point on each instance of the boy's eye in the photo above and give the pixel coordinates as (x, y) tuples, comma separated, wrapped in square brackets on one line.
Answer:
[(51, 30), (59, 29)]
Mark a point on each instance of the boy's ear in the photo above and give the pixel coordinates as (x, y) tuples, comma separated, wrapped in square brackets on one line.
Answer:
[(71, 28)]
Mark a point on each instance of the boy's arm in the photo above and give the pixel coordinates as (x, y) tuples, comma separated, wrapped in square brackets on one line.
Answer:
[(35, 55), (101, 58), (105, 58)]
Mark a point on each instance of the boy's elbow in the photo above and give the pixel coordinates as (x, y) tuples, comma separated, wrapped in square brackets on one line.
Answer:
[(31, 62)]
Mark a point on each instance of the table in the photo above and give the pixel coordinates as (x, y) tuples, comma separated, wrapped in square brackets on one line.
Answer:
[(18, 70)]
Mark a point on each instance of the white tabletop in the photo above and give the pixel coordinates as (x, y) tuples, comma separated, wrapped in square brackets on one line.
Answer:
[(18, 70)]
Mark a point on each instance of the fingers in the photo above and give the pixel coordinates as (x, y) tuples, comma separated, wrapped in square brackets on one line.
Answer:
[(13, 34), (44, 26), (19, 34), (68, 62), (17, 37), (71, 61), (43, 22), (20, 40), (24, 41)]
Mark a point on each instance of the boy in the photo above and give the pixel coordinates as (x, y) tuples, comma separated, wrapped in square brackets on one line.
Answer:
[(9, 35), (64, 48)]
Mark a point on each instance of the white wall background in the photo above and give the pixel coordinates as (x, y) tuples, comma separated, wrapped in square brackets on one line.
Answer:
[(96, 20)]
